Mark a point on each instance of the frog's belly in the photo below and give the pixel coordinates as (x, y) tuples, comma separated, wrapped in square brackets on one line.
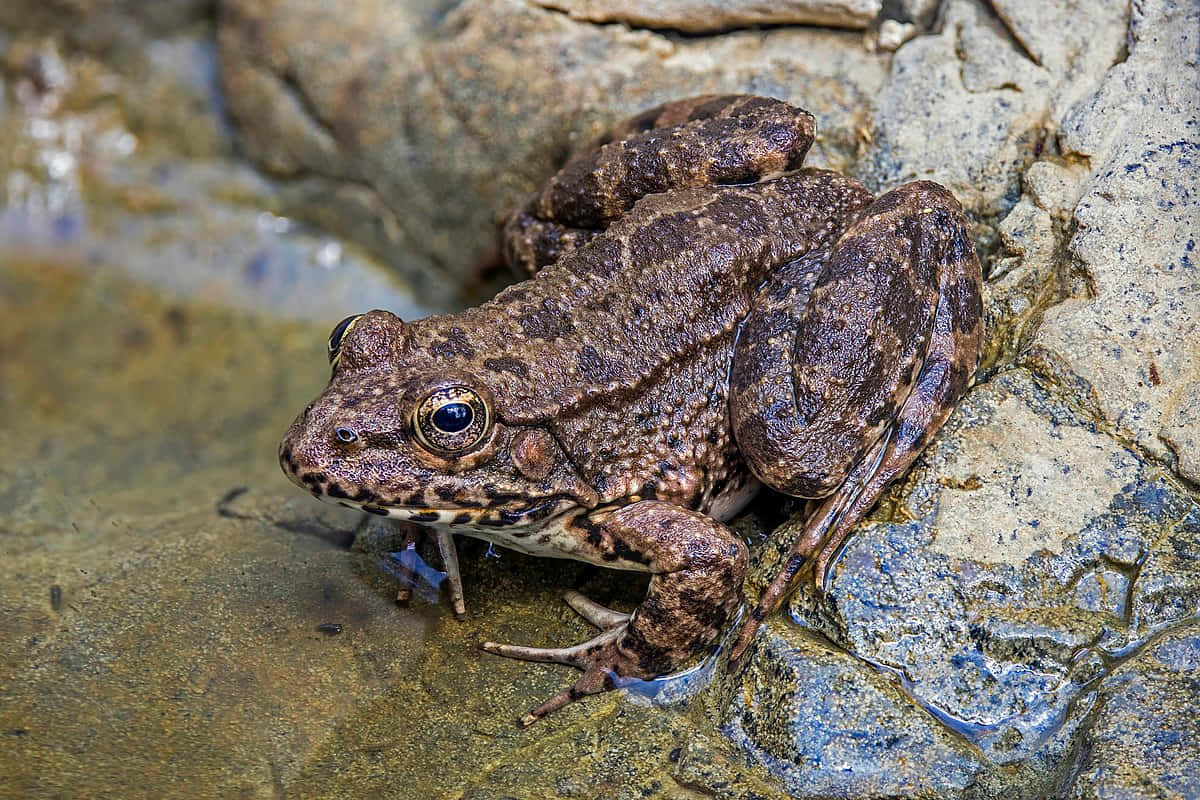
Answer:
[(558, 537)]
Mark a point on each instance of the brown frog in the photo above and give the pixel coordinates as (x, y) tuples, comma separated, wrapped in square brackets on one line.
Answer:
[(704, 317)]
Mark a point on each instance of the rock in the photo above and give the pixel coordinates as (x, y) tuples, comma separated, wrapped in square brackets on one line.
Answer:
[(1116, 340), (710, 16), (969, 108), (116, 28), (1143, 743), (892, 34), (435, 125), (982, 606), (921, 13), (827, 725)]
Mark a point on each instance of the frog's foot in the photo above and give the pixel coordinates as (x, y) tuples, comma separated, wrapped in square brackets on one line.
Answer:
[(600, 658), (697, 566)]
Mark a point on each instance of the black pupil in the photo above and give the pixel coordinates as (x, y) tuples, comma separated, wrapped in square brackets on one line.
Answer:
[(453, 417)]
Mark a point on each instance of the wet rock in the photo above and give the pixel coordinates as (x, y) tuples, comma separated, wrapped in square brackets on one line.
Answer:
[(1143, 743), (1025, 559), (828, 725), (435, 121), (701, 16)]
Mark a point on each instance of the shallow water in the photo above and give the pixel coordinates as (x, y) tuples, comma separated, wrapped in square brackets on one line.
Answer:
[(170, 600)]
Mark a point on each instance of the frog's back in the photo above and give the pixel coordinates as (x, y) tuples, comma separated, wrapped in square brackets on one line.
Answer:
[(665, 285)]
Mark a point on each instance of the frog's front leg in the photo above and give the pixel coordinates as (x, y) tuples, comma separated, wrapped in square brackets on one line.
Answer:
[(697, 566)]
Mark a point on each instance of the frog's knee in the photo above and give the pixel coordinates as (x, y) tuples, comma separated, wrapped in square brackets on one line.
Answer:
[(787, 476)]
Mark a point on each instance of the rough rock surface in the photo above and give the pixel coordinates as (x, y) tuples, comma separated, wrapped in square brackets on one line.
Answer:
[(707, 16), (1018, 619), (426, 125)]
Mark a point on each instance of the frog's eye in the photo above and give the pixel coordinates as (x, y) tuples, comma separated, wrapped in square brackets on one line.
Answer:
[(339, 333), (451, 420)]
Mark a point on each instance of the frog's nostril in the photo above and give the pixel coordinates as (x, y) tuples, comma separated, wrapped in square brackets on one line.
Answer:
[(345, 435)]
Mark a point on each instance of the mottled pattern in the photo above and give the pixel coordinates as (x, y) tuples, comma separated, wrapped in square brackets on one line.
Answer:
[(704, 141), (711, 315)]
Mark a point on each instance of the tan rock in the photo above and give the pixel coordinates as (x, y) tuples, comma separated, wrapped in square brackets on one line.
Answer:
[(1023, 483), (712, 16), (1128, 340)]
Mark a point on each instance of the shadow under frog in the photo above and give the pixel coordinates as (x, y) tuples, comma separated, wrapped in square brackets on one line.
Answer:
[(704, 316)]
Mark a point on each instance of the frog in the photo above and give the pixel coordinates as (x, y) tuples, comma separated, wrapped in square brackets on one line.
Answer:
[(702, 316)]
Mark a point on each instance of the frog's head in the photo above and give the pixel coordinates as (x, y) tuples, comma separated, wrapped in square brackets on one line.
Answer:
[(400, 433)]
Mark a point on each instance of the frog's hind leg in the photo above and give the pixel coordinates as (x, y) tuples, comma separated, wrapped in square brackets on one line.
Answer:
[(696, 564), (947, 368), (700, 141)]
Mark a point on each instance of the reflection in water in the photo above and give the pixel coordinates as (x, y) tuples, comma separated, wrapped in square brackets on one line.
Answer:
[(412, 571)]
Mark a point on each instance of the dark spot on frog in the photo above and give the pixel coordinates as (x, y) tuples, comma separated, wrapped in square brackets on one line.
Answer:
[(548, 322), (381, 512), (884, 411), (329, 628), (622, 551), (445, 492), (314, 479), (453, 343), (648, 173), (334, 490), (593, 367), (462, 519), (364, 495), (663, 239), (965, 303), (424, 516), (507, 364), (602, 257), (732, 164)]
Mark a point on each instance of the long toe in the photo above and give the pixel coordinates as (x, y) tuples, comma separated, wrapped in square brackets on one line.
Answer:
[(581, 655), (600, 616)]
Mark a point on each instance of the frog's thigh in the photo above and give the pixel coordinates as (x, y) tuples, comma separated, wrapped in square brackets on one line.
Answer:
[(700, 141), (814, 386), (697, 565)]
